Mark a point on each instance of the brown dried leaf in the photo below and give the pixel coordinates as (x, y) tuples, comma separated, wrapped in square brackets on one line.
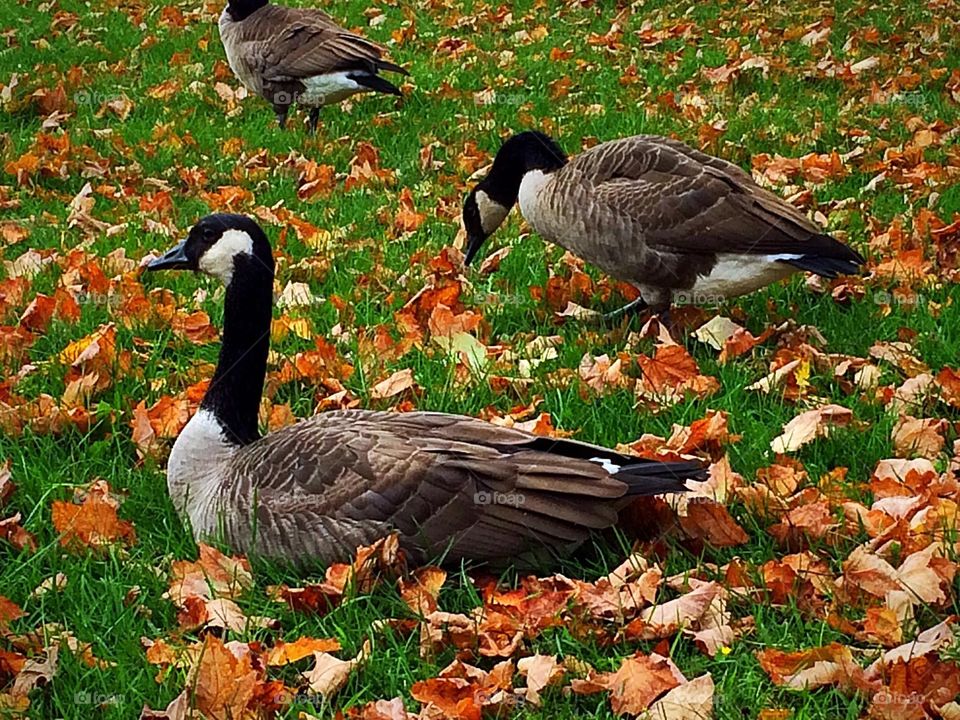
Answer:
[(809, 669), (540, 671), (913, 437), (329, 674), (212, 575), (810, 425), (94, 523), (399, 382)]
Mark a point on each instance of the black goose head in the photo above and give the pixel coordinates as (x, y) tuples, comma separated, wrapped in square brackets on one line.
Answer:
[(242, 9), (234, 249), (220, 245), (489, 203)]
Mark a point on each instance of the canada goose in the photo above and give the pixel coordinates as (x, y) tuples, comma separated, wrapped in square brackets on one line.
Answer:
[(672, 221), (287, 55), (317, 489)]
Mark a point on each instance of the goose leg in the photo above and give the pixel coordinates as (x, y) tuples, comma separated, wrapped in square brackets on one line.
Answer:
[(631, 308), (314, 119), (282, 118), (663, 314)]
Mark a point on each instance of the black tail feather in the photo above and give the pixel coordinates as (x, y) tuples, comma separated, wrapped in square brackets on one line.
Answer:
[(655, 477), (376, 83), (390, 67), (642, 476), (829, 268), (830, 259)]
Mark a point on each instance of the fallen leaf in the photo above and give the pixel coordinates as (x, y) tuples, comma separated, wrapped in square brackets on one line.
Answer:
[(7, 487), (223, 684), (639, 681), (913, 437), (711, 522), (212, 575), (540, 671), (329, 673), (809, 669), (717, 331), (36, 672), (666, 619), (400, 381), (285, 653), (16, 535), (9, 611), (421, 593), (94, 523), (688, 701), (809, 426)]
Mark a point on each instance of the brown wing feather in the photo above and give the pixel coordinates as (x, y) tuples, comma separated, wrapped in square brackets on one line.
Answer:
[(687, 201), (430, 476), (308, 43), (291, 44), (307, 51)]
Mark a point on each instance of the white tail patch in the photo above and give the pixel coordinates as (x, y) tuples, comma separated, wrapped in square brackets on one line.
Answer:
[(329, 88), (609, 466), (737, 274)]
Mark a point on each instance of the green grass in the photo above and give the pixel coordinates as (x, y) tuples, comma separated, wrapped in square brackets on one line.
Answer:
[(790, 112)]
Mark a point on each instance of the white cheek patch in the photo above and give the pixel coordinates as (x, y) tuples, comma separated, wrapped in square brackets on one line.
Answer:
[(492, 214), (218, 260)]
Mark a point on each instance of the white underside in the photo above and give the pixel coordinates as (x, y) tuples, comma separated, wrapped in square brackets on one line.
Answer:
[(330, 88), (736, 275), (195, 470)]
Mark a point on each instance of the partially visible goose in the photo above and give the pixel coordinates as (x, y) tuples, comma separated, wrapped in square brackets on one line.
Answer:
[(288, 55), (452, 486), (670, 220)]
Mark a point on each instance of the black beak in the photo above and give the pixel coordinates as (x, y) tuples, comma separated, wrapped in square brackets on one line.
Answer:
[(174, 259), (473, 246)]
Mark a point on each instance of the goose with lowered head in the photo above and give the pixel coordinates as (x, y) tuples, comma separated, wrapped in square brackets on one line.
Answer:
[(453, 487), (287, 55), (676, 223)]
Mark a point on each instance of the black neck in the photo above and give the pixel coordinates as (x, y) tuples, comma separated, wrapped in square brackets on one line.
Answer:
[(242, 9), (519, 155), (237, 385)]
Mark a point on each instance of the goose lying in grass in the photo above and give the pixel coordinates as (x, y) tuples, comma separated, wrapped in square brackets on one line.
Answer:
[(677, 224), (453, 487), (287, 55)]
